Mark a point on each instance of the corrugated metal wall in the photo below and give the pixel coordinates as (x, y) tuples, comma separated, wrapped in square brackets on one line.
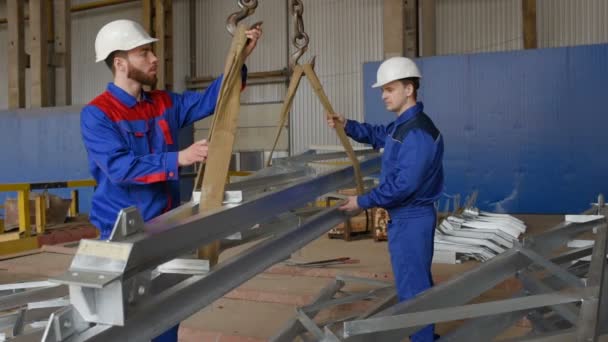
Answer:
[(341, 43), (339, 39), (567, 22), (467, 26), (181, 44), (339, 56), (90, 78), (213, 43)]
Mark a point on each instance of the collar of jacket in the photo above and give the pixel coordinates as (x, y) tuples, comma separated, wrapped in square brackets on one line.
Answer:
[(125, 97), (409, 113)]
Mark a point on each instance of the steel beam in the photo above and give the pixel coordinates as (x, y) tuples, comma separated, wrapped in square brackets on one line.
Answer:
[(419, 319), (184, 299)]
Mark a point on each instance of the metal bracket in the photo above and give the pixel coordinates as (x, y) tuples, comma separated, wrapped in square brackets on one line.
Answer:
[(129, 222), (63, 324)]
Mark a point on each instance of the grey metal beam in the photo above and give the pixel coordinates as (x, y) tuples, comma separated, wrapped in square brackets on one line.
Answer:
[(567, 311), (152, 249), (419, 319), (470, 284), (312, 156), (572, 255), (561, 273), (486, 328), (461, 289), (548, 241), (182, 300), (589, 319), (344, 300), (483, 328), (309, 324), (22, 298), (293, 328)]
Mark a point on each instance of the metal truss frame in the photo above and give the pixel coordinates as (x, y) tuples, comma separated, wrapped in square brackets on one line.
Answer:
[(564, 298)]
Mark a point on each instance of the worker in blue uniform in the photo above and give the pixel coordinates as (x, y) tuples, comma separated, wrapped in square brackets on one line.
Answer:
[(131, 135), (411, 178)]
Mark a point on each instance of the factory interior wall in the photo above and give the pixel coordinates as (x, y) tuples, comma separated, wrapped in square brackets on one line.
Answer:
[(524, 128)]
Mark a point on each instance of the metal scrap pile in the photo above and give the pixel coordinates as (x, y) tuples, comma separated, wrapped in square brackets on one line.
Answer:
[(475, 235)]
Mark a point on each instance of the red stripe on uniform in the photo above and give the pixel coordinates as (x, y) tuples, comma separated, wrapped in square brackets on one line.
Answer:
[(153, 178), (143, 110), (164, 126)]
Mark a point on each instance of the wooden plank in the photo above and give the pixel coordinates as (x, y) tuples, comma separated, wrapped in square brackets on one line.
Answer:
[(393, 27), (147, 16), (163, 47), (529, 22), (61, 46), (428, 32), (16, 54), (222, 136), (411, 29), (39, 53)]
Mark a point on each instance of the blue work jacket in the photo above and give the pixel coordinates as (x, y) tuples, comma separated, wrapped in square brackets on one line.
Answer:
[(412, 162), (132, 148)]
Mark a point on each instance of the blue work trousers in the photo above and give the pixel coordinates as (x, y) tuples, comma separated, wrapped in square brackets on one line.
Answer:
[(410, 244), (168, 336)]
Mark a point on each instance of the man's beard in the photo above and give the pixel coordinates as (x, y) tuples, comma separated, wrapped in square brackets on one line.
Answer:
[(141, 77)]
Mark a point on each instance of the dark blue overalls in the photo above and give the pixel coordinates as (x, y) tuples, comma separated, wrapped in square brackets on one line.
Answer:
[(411, 181), (133, 152)]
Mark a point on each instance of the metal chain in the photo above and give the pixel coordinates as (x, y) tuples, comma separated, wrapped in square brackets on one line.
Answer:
[(300, 38)]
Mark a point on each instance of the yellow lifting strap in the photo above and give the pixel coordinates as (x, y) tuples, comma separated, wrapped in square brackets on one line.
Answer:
[(308, 70), (221, 137), (300, 41)]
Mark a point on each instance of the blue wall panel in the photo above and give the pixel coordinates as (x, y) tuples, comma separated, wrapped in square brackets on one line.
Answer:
[(43, 145), (526, 128)]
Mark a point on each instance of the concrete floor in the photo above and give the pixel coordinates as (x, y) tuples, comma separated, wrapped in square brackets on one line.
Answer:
[(258, 309)]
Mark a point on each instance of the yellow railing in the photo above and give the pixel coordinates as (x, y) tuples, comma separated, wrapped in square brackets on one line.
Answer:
[(23, 196)]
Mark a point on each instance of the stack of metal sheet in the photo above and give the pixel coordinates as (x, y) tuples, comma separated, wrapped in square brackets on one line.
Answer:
[(475, 235)]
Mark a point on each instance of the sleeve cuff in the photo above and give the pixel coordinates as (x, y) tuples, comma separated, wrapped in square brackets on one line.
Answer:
[(347, 126), (172, 166), (364, 202)]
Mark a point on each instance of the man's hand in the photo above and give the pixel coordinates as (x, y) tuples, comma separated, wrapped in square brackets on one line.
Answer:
[(350, 205), (335, 119), (196, 152), (253, 36)]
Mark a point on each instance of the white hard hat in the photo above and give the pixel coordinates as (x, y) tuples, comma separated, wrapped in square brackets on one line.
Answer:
[(396, 68), (120, 35)]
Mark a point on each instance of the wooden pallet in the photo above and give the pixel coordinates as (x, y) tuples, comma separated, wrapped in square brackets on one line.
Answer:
[(356, 227), (381, 224)]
